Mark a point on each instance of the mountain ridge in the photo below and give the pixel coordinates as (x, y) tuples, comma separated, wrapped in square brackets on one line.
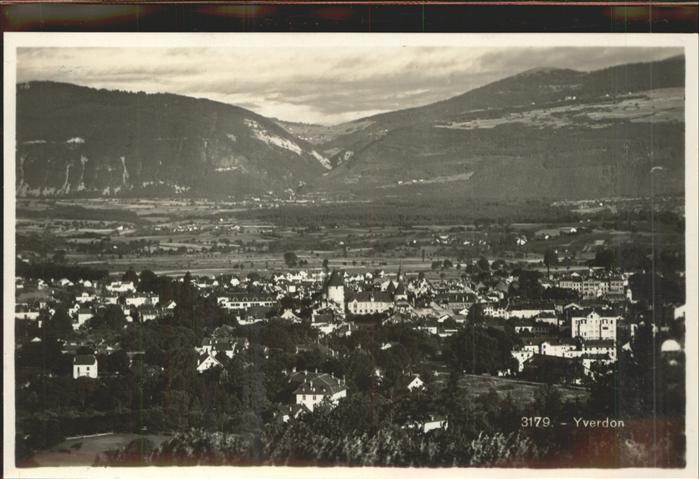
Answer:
[(512, 138), (155, 143)]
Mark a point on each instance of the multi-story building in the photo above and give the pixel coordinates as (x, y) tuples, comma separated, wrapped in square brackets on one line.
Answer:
[(600, 347), (315, 388), (561, 349), (370, 302), (594, 287), (491, 310), (530, 310), (591, 325), (244, 301)]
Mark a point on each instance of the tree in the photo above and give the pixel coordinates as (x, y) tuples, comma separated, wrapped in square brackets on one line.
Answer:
[(483, 264), (60, 325), (550, 258), (475, 314), (117, 362), (290, 259), (529, 286), (148, 281), (59, 256), (477, 350), (112, 318), (130, 276)]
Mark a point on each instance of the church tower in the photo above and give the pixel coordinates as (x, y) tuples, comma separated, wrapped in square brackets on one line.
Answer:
[(335, 289)]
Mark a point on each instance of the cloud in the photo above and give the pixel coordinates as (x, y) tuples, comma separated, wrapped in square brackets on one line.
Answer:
[(311, 85)]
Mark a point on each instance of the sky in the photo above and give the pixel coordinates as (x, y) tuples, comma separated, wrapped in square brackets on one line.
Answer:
[(310, 84)]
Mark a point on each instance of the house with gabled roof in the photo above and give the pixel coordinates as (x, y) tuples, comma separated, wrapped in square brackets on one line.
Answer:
[(230, 346), (415, 383), (370, 302), (312, 389), (85, 366), (83, 315), (289, 315), (207, 361)]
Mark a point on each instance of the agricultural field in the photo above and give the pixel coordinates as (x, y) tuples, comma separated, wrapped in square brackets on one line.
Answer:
[(213, 237)]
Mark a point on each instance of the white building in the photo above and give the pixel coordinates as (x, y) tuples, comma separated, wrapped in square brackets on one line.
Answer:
[(208, 362), (85, 366), (228, 346), (83, 315), (594, 326), (315, 388), (522, 355), (244, 301), (600, 347), (526, 312), (142, 300), (289, 315), (490, 310), (561, 349), (120, 287), (370, 302), (428, 425), (416, 383), (335, 289), (23, 311), (85, 297)]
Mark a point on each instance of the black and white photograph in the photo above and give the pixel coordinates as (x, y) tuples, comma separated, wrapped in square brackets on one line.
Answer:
[(339, 250)]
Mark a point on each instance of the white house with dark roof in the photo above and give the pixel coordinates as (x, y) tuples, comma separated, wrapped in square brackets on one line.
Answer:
[(83, 315), (289, 315), (85, 366), (370, 302), (415, 383), (207, 361), (228, 346), (315, 388)]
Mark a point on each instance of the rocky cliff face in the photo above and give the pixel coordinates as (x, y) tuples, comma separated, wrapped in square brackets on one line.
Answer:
[(76, 140)]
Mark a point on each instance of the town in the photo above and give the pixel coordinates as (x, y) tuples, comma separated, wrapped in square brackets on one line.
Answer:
[(148, 353)]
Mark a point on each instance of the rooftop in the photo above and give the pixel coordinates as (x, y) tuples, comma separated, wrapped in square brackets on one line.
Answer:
[(316, 383), (84, 360), (337, 278)]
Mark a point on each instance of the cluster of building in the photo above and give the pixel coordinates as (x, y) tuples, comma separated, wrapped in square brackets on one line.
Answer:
[(586, 333), (611, 287)]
